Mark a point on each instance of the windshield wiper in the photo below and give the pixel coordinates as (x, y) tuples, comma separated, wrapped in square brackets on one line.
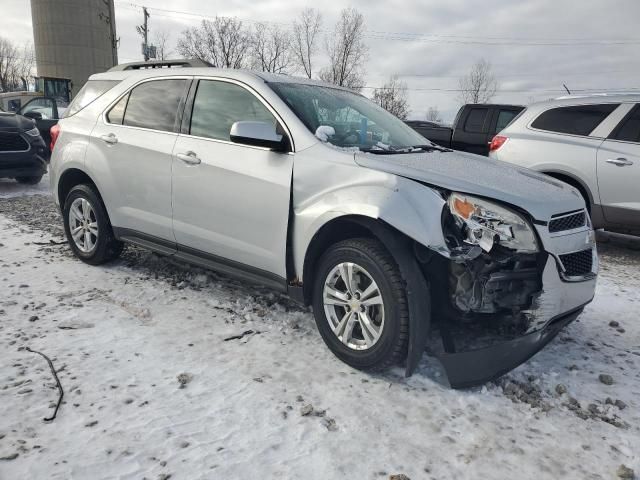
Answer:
[(430, 148), (400, 150)]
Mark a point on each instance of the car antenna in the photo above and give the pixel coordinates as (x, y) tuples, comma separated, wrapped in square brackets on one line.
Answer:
[(567, 89)]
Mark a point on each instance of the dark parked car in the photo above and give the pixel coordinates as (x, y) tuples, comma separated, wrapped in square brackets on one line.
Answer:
[(474, 127), (45, 111), (23, 152)]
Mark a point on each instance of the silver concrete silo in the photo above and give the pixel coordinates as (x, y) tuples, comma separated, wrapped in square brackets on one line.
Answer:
[(74, 38)]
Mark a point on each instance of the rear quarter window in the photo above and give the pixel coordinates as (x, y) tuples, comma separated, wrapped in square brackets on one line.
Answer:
[(574, 120), (91, 91)]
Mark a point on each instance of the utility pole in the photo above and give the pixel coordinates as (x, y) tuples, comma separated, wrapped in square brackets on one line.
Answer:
[(143, 30)]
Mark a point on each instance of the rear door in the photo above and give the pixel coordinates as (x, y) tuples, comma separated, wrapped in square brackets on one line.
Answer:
[(470, 134), (130, 156), (618, 167)]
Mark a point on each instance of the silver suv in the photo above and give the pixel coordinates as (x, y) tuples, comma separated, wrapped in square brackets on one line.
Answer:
[(313, 190), (592, 143)]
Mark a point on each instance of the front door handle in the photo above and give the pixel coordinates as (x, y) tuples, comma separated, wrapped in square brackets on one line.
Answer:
[(620, 162), (110, 138), (189, 158)]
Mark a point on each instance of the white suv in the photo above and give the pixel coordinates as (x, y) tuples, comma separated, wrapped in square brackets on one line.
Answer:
[(315, 191), (592, 143)]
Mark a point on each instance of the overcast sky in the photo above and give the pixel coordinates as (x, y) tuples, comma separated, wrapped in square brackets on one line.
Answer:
[(534, 46)]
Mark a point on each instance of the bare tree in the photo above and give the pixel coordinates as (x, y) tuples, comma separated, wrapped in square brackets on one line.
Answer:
[(392, 96), (223, 42), (16, 65), (479, 85), (433, 115), (271, 48), (305, 33), (347, 51), (162, 44)]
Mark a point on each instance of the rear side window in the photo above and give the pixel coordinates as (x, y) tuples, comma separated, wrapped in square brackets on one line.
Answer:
[(154, 105), (475, 120), (578, 120), (218, 105), (629, 128), (92, 90)]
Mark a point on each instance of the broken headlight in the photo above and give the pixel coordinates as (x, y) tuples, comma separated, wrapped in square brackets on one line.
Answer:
[(486, 224)]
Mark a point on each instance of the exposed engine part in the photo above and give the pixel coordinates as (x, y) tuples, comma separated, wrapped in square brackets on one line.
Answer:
[(491, 283)]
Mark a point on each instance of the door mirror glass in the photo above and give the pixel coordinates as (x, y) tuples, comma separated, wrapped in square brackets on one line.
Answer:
[(259, 134)]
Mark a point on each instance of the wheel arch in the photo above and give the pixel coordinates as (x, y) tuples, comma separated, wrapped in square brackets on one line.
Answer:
[(574, 182), (401, 248), (69, 179)]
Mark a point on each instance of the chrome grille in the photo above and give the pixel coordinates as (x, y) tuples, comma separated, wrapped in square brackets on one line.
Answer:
[(578, 263), (567, 221)]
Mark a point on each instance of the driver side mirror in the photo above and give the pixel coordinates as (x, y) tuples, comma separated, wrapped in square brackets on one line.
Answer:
[(258, 134), (33, 115)]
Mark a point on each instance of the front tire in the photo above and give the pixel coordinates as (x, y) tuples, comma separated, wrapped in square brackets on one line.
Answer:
[(87, 227), (360, 304)]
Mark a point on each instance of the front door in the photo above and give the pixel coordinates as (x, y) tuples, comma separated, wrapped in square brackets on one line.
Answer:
[(230, 201), (44, 110), (619, 172)]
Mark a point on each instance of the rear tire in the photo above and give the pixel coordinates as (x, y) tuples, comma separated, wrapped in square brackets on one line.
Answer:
[(87, 227), (32, 180), (375, 297)]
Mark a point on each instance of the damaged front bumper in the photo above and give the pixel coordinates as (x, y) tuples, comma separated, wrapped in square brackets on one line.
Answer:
[(559, 303), (476, 344)]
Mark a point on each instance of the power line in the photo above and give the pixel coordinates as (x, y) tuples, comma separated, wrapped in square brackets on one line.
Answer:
[(427, 38)]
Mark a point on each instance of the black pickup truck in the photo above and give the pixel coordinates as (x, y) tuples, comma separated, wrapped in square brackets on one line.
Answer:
[(474, 127)]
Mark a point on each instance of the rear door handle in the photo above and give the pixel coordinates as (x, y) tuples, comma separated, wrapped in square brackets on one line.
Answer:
[(110, 138), (189, 158), (620, 162)]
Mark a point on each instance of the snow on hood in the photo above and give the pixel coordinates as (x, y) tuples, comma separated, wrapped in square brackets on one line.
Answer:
[(538, 194)]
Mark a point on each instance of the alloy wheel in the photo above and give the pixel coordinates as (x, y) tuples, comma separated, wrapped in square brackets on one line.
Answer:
[(83, 225), (353, 306)]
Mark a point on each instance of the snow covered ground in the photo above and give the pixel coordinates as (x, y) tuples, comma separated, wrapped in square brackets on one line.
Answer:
[(276, 403)]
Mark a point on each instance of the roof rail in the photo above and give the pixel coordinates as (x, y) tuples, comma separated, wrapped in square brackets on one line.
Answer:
[(181, 63), (598, 94)]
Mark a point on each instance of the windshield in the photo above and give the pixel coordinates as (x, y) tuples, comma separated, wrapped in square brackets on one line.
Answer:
[(346, 119)]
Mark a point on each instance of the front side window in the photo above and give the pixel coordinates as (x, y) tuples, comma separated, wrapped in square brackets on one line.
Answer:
[(578, 120), (218, 105), (154, 105), (354, 120), (43, 106), (475, 120), (629, 128)]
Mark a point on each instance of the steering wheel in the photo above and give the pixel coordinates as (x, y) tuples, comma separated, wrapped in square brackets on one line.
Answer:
[(343, 137)]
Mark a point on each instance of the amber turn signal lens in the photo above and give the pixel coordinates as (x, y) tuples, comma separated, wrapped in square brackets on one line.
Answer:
[(463, 208)]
